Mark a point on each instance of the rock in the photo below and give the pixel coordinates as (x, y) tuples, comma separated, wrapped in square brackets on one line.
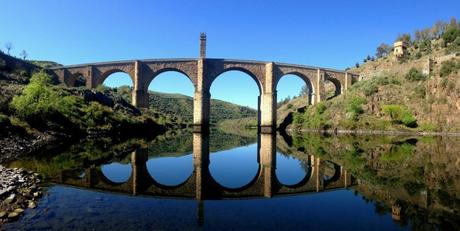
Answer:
[(36, 194), (32, 205), (3, 214), (13, 215), (10, 199), (19, 210)]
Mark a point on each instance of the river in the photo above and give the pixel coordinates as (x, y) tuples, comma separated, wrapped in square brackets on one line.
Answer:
[(192, 181)]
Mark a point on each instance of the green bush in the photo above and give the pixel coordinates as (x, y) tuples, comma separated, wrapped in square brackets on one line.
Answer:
[(414, 75), (4, 119), (400, 115), (96, 114), (394, 111), (420, 91), (450, 34), (449, 67), (370, 88), (408, 119), (386, 80), (354, 106), (298, 118), (40, 99), (320, 108)]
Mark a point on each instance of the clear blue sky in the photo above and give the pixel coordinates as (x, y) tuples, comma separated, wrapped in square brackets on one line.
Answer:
[(333, 34)]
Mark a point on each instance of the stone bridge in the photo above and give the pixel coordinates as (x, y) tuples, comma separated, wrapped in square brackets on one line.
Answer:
[(202, 72), (201, 185)]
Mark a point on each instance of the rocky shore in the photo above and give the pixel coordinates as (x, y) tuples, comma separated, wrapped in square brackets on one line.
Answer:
[(19, 190)]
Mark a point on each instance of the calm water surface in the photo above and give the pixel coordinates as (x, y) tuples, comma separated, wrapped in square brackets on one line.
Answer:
[(228, 182)]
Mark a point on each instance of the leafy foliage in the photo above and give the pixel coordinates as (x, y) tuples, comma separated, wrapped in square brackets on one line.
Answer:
[(40, 99), (354, 106), (449, 67), (400, 114), (414, 75)]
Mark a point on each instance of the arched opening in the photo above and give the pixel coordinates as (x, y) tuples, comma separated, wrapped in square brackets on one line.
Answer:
[(291, 171), (331, 172), (332, 88), (236, 168), (171, 98), (117, 172), (119, 83), (294, 93), (235, 101), (171, 171), (78, 80)]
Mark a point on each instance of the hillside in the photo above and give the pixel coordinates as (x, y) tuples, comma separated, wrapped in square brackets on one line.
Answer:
[(417, 92), (178, 108)]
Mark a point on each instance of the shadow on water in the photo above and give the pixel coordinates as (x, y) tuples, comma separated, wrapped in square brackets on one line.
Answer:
[(396, 182)]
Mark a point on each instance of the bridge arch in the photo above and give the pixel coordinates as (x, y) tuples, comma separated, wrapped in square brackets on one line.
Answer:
[(159, 166), (239, 173), (106, 74), (76, 79), (303, 180), (148, 80), (306, 79), (337, 87), (116, 173), (328, 179), (237, 69), (248, 99)]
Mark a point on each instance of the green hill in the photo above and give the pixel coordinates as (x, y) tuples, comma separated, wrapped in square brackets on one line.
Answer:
[(179, 108), (417, 92)]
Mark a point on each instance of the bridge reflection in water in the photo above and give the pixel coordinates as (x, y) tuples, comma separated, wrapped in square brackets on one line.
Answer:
[(200, 185)]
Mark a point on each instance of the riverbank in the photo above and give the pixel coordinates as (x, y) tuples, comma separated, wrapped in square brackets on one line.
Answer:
[(374, 132), (19, 190)]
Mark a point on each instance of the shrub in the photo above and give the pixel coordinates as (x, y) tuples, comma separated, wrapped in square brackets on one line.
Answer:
[(394, 111), (420, 91), (4, 119), (40, 99), (96, 114), (449, 67), (444, 82), (408, 119), (451, 34), (321, 108), (386, 80), (298, 118), (370, 88), (414, 75), (400, 115), (354, 106)]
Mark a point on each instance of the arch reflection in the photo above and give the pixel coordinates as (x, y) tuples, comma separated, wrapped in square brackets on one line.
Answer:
[(202, 185), (116, 172), (170, 171)]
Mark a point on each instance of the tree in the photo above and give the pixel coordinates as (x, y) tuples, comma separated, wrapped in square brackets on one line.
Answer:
[(8, 47), (23, 54), (357, 65), (405, 37), (305, 90), (438, 29), (451, 34), (453, 22), (383, 50)]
